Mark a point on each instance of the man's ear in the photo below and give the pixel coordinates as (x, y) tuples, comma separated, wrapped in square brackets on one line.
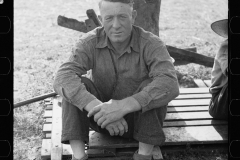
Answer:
[(134, 15)]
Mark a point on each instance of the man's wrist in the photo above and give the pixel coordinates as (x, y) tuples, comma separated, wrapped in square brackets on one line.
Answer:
[(131, 105), (92, 104)]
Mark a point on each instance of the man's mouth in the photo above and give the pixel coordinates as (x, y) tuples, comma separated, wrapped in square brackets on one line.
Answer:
[(117, 33)]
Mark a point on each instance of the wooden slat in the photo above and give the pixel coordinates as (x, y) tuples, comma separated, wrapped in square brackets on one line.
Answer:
[(47, 128), (48, 120), (47, 114), (187, 116), (56, 145), (179, 123), (196, 135), (194, 123), (193, 90), (174, 136), (194, 96), (199, 83), (189, 102), (67, 150), (170, 109), (187, 109), (46, 149), (48, 135), (49, 107), (169, 117), (207, 82)]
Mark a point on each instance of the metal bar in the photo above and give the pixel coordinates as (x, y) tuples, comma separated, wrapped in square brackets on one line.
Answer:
[(35, 99)]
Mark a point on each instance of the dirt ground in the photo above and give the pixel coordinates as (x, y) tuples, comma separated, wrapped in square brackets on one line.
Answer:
[(40, 46)]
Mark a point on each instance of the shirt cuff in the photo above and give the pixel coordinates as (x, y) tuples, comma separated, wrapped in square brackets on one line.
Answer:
[(79, 100)]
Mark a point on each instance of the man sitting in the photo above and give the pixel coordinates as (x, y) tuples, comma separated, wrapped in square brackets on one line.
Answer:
[(133, 80), (218, 107)]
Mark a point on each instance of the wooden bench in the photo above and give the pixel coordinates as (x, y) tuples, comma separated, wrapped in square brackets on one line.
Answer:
[(187, 123)]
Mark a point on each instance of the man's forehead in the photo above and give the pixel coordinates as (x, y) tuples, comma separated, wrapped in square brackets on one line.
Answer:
[(122, 1)]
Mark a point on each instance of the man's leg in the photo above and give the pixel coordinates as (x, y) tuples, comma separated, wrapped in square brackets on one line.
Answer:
[(75, 123), (146, 127)]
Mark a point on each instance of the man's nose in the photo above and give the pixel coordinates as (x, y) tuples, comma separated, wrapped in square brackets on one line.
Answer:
[(116, 23)]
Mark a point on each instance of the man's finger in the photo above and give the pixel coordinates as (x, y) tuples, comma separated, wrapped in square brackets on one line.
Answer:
[(97, 116), (110, 130), (100, 120), (116, 130), (125, 125), (93, 111), (121, 129), (105, 123)]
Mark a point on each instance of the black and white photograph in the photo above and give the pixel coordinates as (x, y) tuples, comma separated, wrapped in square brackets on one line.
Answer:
[(120, 80)]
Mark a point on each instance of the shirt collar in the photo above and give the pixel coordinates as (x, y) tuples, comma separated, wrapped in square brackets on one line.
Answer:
[(103, 40)]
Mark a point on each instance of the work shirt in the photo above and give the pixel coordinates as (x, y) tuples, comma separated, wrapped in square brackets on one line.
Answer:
[(219, 76), (118, 76)]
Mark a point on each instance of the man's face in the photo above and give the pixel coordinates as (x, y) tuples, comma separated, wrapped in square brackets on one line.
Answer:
[(117, 19)]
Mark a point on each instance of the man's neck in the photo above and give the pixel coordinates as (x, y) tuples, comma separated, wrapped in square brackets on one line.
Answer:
[(121, 47)]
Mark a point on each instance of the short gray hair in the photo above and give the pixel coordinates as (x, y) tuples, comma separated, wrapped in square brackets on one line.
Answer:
[(130, 2)]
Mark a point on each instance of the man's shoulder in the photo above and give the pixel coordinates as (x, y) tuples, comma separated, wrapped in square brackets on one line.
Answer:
[(147, 37)]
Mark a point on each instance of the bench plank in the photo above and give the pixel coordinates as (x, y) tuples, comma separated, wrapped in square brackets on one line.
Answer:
[(49, 107), (47, 114), (56, 145), (46, 149), (189, 102), (174, 136), (169, 110), (193, 96), (194, 123), (47, 127), (179, 123), (187, 116), (187, 109), (193, 90)]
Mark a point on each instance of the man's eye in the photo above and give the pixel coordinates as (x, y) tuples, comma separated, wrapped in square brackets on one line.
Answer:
[(123, 17), (108, 18)]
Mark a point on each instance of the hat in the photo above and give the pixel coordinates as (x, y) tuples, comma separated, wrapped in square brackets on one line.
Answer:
[(221, 27)]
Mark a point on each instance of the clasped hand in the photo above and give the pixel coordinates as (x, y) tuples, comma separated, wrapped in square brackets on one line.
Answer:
[(107, 112)]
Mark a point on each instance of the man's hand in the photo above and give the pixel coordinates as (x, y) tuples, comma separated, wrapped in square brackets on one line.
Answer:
[(107, 112), (117, 127), (113, 110)]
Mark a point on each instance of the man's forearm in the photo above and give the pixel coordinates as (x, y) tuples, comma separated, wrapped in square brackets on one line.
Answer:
[(130, 105)]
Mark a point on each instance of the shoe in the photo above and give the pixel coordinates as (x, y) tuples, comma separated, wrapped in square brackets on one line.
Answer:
[(156, 155), (137, 156), (84, 158)]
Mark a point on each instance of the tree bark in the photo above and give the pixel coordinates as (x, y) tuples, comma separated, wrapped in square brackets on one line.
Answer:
[(148, 12)]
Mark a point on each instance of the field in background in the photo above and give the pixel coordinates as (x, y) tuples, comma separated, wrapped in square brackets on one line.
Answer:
[(40, 46)]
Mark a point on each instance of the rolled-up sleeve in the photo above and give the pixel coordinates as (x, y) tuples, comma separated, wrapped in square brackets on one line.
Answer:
[(164, 86), (67, 82)]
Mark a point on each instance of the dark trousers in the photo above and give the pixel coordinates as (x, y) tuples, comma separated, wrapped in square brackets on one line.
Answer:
[(144, 127), (218, 107)]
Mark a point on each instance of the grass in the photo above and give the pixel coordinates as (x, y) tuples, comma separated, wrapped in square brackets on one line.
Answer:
[(40, 46)]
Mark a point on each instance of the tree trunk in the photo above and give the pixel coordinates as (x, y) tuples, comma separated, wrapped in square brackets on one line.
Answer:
[(148, 12)]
